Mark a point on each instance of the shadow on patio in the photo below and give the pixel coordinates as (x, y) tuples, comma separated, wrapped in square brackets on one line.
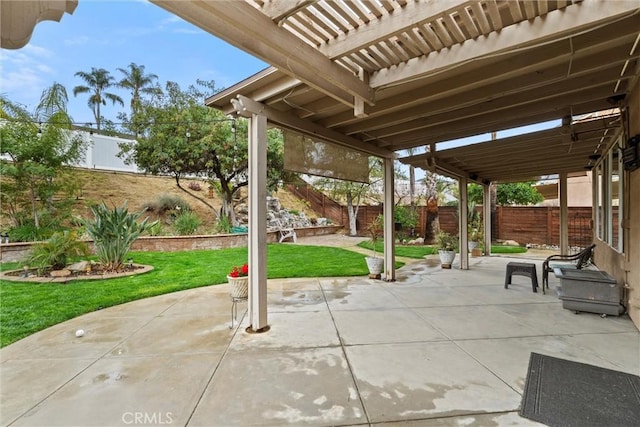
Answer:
[(441, 347)]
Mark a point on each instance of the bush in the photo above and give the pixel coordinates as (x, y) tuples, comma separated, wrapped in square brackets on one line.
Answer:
[(223, 225), (29, 233), (56, 251), (155, 229), (186, 223), (194, 185), (113, 232), (167, 203), (405, 216)]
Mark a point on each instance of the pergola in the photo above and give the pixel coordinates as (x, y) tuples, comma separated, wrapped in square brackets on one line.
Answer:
[(382, 76)]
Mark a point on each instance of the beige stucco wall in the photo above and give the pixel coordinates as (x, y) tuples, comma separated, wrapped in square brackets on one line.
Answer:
[(626, 267)]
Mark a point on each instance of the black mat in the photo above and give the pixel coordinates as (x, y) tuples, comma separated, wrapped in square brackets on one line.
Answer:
[(560, 392)]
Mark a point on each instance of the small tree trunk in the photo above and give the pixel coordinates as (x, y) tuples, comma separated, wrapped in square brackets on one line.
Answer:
[(34, 208), (353, 230)]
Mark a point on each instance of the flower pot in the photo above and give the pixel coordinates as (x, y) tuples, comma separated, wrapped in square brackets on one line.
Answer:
[(472, 245), (446, 258), (476, 252), (238, 286), (375, 264)]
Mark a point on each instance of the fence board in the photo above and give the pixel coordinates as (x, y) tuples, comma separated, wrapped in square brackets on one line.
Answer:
[(538, 225)]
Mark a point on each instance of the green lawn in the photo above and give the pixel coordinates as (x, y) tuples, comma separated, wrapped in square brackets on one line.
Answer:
[(420, 251), (499, 249), (412, 251), (28, 307)]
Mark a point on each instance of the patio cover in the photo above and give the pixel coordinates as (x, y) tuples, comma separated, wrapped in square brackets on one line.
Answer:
[(385, 76)]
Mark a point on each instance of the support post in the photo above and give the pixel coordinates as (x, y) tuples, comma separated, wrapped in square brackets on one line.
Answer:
[(463, 230), (486, 217), (389, 229), (257, 224), (564, 215)]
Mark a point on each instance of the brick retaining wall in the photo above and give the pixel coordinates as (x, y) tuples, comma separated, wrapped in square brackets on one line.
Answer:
[(15, 252)]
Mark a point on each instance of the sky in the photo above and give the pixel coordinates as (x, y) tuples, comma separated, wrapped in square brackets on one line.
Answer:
[(111, 35)]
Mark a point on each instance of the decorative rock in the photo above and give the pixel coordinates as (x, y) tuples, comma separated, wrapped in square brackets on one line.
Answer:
[(510, 243), (80, 333), (60, 273), (79, 266)]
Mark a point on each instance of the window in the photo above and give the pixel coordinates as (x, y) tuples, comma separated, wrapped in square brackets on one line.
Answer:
[(609, 191)]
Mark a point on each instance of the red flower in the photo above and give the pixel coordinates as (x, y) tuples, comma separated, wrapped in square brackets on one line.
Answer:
[(241, 271)]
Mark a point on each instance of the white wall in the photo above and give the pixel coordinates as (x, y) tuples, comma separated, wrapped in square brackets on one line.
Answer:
[(102, 153)]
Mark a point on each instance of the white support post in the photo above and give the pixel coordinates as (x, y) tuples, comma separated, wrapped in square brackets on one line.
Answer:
[(463, 230), (486, 217), (389, 230), (564, 215), (258, 223)]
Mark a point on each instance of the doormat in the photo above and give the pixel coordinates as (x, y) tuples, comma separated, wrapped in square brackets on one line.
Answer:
[(563, 393)]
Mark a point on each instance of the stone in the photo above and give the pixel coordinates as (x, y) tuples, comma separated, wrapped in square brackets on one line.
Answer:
[(60, 273), (510, 243), (79, 266)]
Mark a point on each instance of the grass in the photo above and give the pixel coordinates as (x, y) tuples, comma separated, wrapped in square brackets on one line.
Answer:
[(499, 249), (412, 251), (30, 307), (420, 251)]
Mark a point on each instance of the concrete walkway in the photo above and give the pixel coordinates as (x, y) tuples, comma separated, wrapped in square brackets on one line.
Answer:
[(437, 347)]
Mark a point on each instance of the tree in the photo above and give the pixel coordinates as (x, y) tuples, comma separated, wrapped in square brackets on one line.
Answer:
[(432, 226), (138, 83), (182, 136), (97, 82), (516, 193), (39, 148), (352, 192)]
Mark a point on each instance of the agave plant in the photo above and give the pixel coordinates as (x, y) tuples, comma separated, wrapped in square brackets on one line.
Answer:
[(113, 232)]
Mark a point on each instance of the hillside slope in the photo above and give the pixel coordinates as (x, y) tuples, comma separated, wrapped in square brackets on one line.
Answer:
[(139, 190)]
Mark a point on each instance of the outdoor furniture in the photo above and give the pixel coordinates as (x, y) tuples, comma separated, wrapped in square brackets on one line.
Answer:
[(286, 232), (522, 269), (594, 291), (577, 261)]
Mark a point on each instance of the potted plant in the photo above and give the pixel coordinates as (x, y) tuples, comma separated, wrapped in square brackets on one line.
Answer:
[(238, 279), (447, 245), (474, 227), (375, 264)]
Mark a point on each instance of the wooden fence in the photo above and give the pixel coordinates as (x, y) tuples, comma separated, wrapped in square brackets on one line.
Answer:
[(524, 224)]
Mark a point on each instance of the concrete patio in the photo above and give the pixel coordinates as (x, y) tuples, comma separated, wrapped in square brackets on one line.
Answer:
[(437, 347)]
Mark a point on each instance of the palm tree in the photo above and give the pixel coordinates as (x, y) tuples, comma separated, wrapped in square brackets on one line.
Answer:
[(97, 81), (139, 83)]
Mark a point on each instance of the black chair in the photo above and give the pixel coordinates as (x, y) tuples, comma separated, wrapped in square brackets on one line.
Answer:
[(579, 260)]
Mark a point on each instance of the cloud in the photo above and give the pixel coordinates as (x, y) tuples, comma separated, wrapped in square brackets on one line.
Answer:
[(26, 72), (77, 41), (187, 31)]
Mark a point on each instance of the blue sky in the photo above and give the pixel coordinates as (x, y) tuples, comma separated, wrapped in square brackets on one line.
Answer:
[(111, 35)]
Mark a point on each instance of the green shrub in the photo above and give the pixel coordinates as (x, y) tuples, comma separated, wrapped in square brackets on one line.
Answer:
[(113, 232), (55, 252), (155, 229), (167, 203), (405, 215), (29, 233), (186, 223), (223, 225)]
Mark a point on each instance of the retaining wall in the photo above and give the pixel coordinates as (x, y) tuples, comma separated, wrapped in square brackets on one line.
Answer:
[(15, 252)]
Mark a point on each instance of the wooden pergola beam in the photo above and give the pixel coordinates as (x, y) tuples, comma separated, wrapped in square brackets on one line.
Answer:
[(243, 26), (525, 34)]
